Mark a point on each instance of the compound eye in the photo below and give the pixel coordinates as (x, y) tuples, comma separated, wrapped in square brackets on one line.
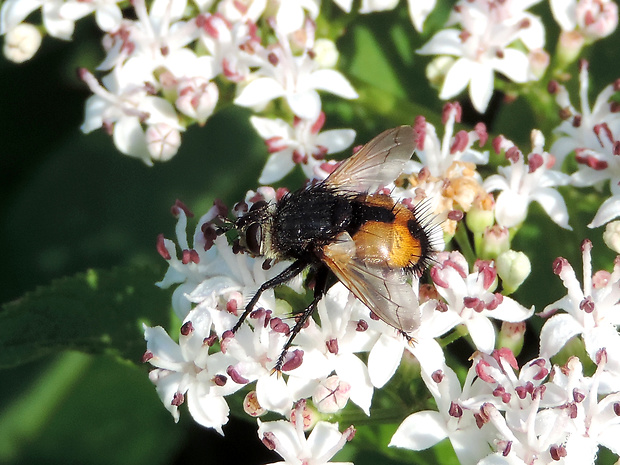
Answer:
[(258, 205), (254, 238)]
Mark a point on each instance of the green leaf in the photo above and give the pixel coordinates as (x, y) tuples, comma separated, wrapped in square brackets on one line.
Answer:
[(94, 312), (77, 408)]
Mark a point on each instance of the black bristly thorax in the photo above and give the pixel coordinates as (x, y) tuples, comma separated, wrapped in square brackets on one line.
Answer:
[(308, 219)]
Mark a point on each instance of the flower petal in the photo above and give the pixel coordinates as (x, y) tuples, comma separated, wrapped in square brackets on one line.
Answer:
[(278, 165), (556, 332), (420, 431), (272, 393), (445, 42), (553, 203), (207, 410), (481, 87), (306, 105), (384, 359), (457, 78), (609, 210), (482, 333), (259, 92), (336, 140), (352, 370), (333, 81), (514, 64)]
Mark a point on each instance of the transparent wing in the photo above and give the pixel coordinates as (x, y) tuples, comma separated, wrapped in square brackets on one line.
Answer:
[(385, 291), (377, 163)]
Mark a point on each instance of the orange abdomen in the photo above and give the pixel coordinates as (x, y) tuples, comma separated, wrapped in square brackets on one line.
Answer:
[(392, 244)]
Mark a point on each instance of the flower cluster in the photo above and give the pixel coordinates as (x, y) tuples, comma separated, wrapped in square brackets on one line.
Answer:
[(498, 415), (538, 414), (484, 43), (167, 65)]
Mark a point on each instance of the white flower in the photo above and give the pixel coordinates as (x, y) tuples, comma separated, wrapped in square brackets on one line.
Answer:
[(288, 440), (296, 78), (419, 11), (594, 19), (233, 46), (240, 11), (424, 429), (438, 156), (522, 183), (107, 12), (255, 352), (14, 12), (332, 346), (301, 144), (445, 178), (592, 311), (156, 40), (124, 111), (386, 345), (596, 417), (517, 416), (578, 130), (482, 47), (210, 274), (469, 299), (186, 371), (292, 14), (21, 42), (598, 166), (197, 98)]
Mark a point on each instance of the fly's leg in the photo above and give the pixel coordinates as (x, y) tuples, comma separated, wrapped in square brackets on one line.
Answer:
[(293, 270), (319, 291)]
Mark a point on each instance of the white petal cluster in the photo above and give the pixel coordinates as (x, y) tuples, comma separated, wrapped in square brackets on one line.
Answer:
[(521, 183), (166, 63), (592, 134), (483, 44), (523, 416)]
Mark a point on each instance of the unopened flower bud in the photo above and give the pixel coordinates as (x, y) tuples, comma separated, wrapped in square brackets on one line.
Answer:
[(21, 43), (539, 61), (331, 395), (569, 46), (495, 241), (197, 98), (163, 141), (511, 336), (513, 267), (596, 18), (611, 236), (326, 53), (481, 215), (437, 69)]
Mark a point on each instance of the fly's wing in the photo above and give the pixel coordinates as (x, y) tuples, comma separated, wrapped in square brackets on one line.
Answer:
[(377, 163), (385, 291)]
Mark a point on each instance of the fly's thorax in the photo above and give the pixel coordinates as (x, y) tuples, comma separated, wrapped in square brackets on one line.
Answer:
[(255, 229)]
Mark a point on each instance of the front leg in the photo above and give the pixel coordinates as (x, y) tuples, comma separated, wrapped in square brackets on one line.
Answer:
[(320, 288), (289, 273)]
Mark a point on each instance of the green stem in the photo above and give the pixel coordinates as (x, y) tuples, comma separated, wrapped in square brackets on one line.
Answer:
[(459, 332), (464, 245)]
